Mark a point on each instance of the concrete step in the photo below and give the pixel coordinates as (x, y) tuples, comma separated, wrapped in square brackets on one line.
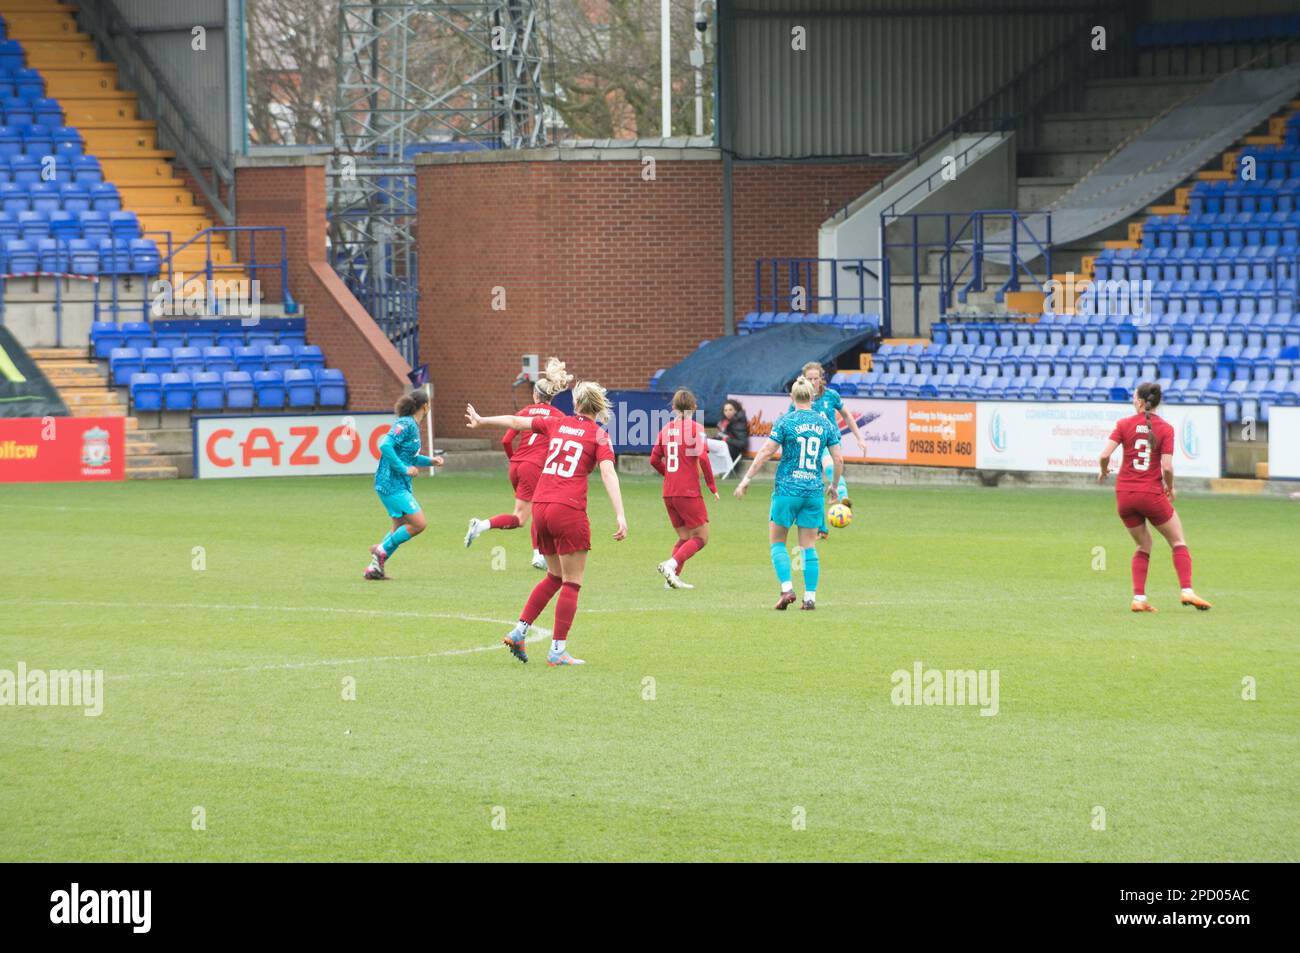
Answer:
[(1037, 192), (140, 461), (461, 444), (470, 460), (39, 354), (152, 472), (1088, 130), (1140, 94), (170, 440), (94, 394), (1239, 487), (1058, 163)]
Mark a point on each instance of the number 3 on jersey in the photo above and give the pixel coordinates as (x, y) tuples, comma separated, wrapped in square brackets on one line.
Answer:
[(1142, 452), (573, 453)]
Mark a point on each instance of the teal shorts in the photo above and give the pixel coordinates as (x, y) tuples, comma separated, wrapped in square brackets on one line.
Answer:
[(400, 503), (805, 511)]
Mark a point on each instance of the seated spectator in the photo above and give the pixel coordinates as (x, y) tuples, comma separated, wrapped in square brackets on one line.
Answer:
[(734, 428)]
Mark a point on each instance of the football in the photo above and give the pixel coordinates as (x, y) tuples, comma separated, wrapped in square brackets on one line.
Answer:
[(840, 515)]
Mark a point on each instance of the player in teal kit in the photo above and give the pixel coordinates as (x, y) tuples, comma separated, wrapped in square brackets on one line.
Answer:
[(801, 436), (828, 402), (399, 460)]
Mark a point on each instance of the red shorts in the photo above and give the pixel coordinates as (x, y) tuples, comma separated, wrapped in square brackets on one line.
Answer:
[(559, 530), (524, 477), (1136, 507), (686, 511)]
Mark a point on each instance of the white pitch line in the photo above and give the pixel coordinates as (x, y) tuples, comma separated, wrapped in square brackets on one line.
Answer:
[(250, 608), (536, 634)]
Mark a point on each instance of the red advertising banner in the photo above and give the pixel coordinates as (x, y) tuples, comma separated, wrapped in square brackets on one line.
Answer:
[(62, 449)]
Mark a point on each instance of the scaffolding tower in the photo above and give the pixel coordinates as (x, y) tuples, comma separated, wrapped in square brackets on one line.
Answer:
[(414, 76)]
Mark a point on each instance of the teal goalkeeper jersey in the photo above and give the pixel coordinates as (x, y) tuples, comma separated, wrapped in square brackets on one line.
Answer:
[(404, 438), (802, 435)]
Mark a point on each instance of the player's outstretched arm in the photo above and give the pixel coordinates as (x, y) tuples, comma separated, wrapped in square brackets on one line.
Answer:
[(837, 459), (1106, 453), (609, 476), (474, 419), (764, 454), (853, 429)]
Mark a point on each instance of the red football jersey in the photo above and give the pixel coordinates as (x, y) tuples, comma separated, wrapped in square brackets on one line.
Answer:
[(531, 447), (573, 446), (681, 448), (1142, 452)]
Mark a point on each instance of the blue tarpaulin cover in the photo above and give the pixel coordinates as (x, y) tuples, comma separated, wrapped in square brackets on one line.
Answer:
[(761, 363)]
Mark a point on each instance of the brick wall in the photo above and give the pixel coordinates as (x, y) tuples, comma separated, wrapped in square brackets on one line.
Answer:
[(617, 275), (779, 208), (292, 193)]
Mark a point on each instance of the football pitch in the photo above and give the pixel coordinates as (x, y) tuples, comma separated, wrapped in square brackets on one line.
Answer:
[(261, 701)]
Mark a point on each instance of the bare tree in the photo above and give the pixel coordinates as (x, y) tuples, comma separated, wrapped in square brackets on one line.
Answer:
[(292, 45), (606, 55)]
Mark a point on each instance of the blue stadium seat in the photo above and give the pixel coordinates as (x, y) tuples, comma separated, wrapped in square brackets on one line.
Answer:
[(104, 336), (239, 389), (209, 394), (308, 356), (249, 358), (177, 391), (269, 386), (187, 358), (301, 388), (333, 388), (146, 391), (279, 357), (218, 359)]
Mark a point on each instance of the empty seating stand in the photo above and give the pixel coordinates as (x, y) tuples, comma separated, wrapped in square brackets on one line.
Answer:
[(183, 366)]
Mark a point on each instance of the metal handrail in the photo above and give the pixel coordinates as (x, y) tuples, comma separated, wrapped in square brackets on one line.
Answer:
[(252, 266), (803, 272), (1002, 121), (105, 22), (968, 236)]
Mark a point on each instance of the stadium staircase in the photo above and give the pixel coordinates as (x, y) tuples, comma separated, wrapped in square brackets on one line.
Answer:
[(1223, 259), (110, 124), (151, 454)]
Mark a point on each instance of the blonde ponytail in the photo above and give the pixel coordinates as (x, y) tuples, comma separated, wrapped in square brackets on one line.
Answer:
[(554, 380)]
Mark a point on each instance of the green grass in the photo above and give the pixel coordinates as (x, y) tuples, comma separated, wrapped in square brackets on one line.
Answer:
[(224, 686)]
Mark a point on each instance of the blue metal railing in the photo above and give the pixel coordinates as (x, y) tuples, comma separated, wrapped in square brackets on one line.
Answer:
[(970, 240), (251, 264), (780, 284), (394, 306), (124, 294)]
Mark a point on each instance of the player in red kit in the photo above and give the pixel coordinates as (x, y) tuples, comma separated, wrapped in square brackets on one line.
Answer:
[(1144, 490), (681, 449), (526, 451), (575, 445)]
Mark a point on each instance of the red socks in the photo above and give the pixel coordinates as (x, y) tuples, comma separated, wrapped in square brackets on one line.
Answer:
[(685, 550), (539, 597), (565, 609), (1183, 566), (504, 521), (1141, 563)]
